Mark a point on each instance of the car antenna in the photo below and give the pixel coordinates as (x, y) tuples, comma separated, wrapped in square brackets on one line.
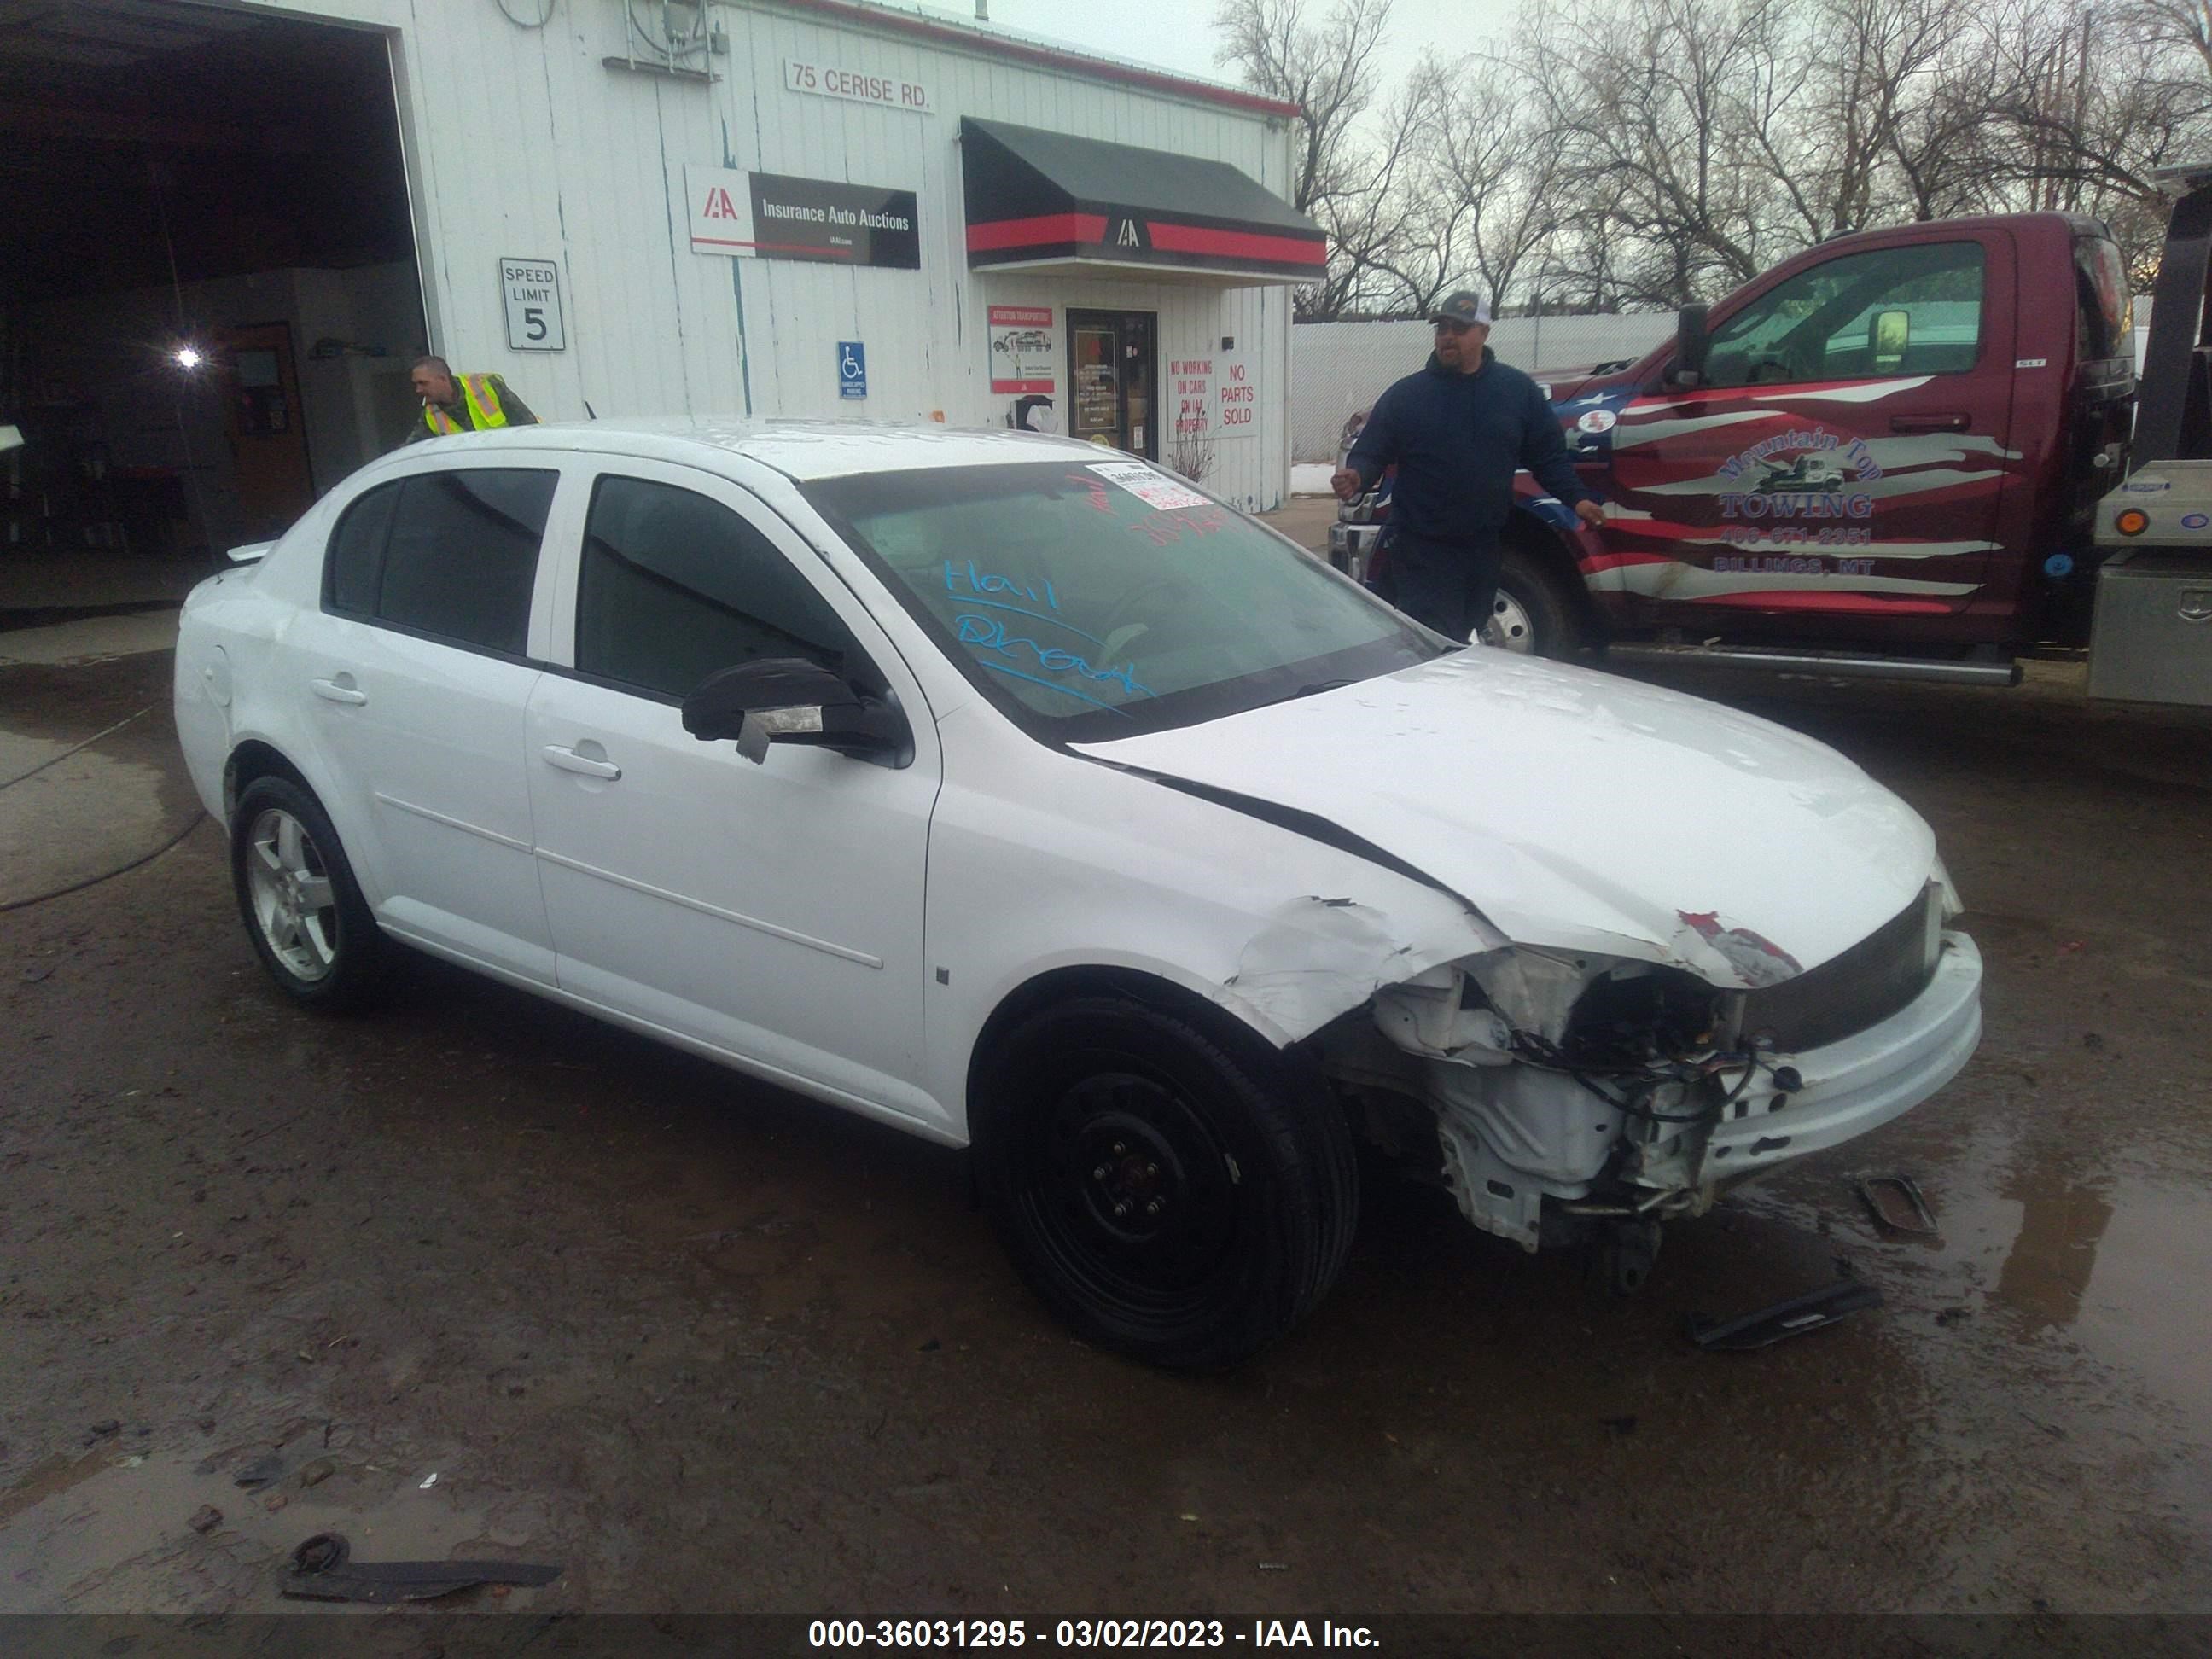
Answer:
[(589, 413)]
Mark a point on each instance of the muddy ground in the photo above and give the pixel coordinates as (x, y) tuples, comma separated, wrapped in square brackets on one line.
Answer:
[(509, 1283)]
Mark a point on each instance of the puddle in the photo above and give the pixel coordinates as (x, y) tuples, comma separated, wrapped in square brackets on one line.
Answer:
[(2110, 1262), (110, 1532), (2148, 1300), (2062, 1253)]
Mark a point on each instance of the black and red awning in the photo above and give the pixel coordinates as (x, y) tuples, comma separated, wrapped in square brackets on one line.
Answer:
[(1038, 199)]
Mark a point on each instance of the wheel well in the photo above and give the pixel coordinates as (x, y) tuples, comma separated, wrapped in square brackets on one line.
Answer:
[(252, 760), (1062, 984), (1541, 540)]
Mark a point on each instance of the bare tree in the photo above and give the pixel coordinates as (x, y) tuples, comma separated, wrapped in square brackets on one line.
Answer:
[(1329, 65), (1640, 153), (2083, 116), (1641, 100), (1493, 167), (1395, 242), (1878, 60), (1940, 140)]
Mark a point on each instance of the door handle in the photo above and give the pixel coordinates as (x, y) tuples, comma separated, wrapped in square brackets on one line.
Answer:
[(569, 761), (1930, 423), (335, 692)]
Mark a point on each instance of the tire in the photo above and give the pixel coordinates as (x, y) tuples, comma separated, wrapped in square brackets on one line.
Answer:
[(1234, 1172), (303, 910), (1532, 613)]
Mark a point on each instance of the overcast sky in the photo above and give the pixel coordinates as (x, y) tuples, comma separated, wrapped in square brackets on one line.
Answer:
[(1177, 34)]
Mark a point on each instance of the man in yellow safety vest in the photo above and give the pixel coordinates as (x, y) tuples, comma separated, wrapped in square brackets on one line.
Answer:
[(463, 403)]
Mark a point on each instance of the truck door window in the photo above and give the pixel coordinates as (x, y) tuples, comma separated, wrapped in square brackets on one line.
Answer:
[(1911, 310)]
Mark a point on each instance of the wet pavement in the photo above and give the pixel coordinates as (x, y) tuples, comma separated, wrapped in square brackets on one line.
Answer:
[(711, 1348)]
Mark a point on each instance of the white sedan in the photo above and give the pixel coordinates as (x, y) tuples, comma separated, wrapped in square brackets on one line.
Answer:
[(1021, 796)]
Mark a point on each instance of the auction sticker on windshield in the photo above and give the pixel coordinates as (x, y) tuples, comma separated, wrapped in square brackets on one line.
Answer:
[(1157, 490)]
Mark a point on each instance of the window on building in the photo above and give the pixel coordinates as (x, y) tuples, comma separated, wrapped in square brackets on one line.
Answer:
[(675, 586), (453, 554)]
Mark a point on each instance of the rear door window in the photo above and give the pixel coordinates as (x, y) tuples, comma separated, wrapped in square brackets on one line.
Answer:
[(453, 554), (356, 555)]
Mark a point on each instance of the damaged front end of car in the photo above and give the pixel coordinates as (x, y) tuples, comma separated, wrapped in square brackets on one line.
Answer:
[(1568, 1097)]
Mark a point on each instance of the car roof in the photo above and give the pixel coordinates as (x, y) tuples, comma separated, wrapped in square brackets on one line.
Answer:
[(802, 450)]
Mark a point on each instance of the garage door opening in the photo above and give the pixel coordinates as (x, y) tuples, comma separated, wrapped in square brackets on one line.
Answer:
[(212, 296)]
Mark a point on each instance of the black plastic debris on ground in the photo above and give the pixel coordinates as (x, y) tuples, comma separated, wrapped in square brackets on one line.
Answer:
[(322, 1570), (261, 1471), (1799, 1314), (1895, 1203)]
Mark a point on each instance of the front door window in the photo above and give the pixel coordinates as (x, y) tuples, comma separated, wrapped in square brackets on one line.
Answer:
[(1115, 376)]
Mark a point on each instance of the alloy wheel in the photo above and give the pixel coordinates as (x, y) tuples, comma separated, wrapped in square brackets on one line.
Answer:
[(294, 904)]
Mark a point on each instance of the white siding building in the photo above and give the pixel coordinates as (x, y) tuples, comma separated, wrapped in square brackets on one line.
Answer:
[(545, 145), (239, 221)]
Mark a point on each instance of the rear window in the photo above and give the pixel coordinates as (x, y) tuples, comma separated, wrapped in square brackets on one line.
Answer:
[(453, 554), (2102, 300)]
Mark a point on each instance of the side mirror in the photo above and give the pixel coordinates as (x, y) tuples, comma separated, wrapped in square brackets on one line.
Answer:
[(790, 699), (1893, 333), (1692, 346)]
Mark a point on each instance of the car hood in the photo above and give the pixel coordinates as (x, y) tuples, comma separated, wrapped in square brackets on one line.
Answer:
[(1581, 811)]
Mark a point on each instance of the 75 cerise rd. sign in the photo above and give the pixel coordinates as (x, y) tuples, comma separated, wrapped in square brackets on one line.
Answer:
[(855, 81)]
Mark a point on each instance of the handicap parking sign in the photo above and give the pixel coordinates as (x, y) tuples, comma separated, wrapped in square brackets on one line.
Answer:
[(852, 369)]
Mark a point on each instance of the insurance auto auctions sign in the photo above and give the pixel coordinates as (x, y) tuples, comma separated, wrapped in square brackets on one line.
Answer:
[(769, 216)]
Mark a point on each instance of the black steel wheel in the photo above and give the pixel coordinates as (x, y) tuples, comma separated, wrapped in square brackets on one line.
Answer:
[(302, 908), (1168, 1198)]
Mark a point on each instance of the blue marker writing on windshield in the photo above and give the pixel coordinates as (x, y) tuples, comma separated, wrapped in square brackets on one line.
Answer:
[(989, 634), (985, 581)]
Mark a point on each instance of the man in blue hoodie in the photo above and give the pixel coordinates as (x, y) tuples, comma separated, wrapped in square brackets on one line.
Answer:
[(1457, 432)]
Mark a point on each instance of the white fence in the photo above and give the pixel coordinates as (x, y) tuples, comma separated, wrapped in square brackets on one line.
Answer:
[(1338, 369)]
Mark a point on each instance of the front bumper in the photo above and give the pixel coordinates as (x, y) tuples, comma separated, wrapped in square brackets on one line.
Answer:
[(1862, 1081), (1521, 1143), (1352, 547)]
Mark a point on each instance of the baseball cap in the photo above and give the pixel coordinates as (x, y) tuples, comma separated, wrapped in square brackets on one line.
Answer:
[(1460, 307)]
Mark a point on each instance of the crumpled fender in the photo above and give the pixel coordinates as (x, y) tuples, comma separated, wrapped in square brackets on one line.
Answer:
[(1319, 955)]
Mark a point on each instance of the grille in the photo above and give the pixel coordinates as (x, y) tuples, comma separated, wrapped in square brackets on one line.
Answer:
[(1873, 980)]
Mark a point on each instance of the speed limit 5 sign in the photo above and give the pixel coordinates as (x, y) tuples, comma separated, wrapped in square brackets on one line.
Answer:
[(533, 305)]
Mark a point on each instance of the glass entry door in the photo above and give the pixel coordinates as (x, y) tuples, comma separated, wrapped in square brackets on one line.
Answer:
[(1114, 377)]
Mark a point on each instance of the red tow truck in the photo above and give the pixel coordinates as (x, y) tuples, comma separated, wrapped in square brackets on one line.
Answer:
[(1882, 456)]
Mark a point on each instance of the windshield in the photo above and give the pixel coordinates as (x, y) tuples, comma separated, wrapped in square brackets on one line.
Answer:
[(1099, 599)]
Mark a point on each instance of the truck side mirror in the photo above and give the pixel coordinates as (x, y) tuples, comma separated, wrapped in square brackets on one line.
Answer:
[(1893, 333), (1692, 346)]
